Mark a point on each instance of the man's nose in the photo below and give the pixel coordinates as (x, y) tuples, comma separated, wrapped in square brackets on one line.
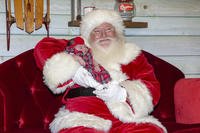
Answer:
[(103, 33)]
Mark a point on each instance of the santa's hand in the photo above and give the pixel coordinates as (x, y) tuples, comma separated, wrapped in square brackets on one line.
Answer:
[(84, 78), (112, 92)]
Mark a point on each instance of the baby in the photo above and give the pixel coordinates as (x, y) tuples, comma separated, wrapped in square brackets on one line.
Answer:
[(83, 55)]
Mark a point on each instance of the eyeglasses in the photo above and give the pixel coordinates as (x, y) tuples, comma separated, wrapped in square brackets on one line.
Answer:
[(99, 31)]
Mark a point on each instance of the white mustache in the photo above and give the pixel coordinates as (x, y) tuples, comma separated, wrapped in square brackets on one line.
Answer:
[(104, 39)]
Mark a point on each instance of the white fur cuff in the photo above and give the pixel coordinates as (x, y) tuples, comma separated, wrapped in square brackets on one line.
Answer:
[(58, 69)]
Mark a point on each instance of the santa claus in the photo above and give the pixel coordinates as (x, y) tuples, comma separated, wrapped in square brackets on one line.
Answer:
[(122, 105)]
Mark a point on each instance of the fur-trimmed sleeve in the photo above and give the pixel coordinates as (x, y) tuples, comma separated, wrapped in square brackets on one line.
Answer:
[(58, 72), (57, 66), (142, 86)]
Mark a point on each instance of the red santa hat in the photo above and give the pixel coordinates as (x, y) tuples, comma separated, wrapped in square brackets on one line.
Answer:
[(75, 41), (99, 16)]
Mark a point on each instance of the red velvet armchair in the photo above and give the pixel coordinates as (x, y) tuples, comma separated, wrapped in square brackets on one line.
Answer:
[(27, 106)]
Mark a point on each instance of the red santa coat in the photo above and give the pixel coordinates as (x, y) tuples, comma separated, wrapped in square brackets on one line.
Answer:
[(91, 114)]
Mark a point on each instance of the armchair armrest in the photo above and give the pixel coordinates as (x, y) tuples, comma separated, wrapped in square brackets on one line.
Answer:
[(187, 100)]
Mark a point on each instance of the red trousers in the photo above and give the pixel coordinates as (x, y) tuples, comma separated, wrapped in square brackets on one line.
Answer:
[(97, 107)]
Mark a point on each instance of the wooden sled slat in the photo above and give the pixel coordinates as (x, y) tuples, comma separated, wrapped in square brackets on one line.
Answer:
[(39, 5), (19, 14), (29, 15)]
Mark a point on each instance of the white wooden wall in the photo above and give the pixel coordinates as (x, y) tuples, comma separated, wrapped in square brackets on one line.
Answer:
[(173, 33)]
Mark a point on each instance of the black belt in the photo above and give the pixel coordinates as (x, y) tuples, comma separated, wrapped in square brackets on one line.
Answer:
[(81, 91)]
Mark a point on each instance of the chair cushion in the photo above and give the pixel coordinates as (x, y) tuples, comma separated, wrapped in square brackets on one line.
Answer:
[(190, 130), (187, 101), (173, 127)]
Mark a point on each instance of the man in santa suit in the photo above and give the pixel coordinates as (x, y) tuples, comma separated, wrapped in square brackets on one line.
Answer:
[(121, 106)]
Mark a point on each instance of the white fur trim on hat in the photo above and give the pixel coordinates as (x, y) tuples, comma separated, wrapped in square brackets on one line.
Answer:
[(66, 119), (58, 69), (99, 16)]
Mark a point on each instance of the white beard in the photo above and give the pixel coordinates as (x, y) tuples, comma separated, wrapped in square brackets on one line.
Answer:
[(111, 54)]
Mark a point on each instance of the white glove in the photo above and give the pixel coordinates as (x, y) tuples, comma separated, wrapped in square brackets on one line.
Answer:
[(112, 92), (84, 78)]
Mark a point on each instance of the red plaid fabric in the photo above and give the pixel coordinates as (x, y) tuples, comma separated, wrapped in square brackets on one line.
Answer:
[(102, 76)]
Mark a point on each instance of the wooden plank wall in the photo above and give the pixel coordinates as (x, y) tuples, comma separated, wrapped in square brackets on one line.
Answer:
[(173, 33)]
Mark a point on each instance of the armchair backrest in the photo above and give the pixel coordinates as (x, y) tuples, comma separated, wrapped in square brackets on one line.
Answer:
[(24, 99), (167, 75)]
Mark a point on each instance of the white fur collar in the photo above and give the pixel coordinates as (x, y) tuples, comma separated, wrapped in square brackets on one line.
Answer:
[(114, 69), (131, 52)]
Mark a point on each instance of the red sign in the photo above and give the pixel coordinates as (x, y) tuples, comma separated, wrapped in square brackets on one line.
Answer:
[(126, 7)]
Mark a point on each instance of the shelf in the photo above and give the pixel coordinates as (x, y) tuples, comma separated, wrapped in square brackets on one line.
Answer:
[(128, 24), (75, 23)]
